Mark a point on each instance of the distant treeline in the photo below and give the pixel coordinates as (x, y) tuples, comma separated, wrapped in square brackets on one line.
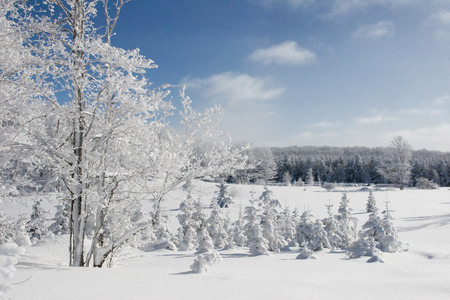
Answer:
[(340, 165)]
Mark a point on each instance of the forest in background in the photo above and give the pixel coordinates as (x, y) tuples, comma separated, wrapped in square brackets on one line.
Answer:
[(339, 164)]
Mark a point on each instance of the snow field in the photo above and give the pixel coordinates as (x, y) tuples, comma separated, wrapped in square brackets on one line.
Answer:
[(422, 219)]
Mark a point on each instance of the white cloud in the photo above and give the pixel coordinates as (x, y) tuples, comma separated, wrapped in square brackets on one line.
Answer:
[(442, 100), (375, 31), (323, 125), (439, 24), (375, 119), (420, 112), (287, 53), (238, 89), (442, 18)]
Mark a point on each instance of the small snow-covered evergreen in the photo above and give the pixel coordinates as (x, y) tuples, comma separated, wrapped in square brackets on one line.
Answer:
[(304, 231), (371, 206), (389, 240), (61, 219), (215, 226), (187, 233), (331, 227), (346, 222), (252, 229), (319, 237), (238, 230), (222, 199), (269, 221), (36, 227)]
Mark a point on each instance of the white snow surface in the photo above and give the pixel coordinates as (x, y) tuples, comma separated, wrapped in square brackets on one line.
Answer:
[(422, 219)]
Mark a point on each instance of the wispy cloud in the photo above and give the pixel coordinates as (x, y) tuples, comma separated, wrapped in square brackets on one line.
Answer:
[(375, 31), (323, 125), (442, 100), (375, 119), (236, 88), (439, 24), (420, 112), (287, 53)]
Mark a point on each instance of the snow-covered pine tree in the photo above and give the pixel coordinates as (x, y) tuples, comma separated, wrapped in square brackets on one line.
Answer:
[(252, 230), (371, 206), (287, 226), (310, 177), (36, 226), (331, 227), (304, 230), (61, 219), (270, 227), (204, 241), (389, 240), (238, 230), (215, 227), (187, 233), (164, 239), (368, 237), (222, 199), (347, 223), (319, 237)]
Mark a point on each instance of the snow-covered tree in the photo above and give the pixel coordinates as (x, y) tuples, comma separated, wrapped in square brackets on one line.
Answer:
[(36, 227), (215, 226), (252, 230), (331, 227), (61, 220), (287, 226), (304, 231), (371, 205), (396, 168), (310, 177), (346, 222), (319, 239), (205, 259), (222, 199), (83, 111), (238, 230), (389, 240), (187, 233)]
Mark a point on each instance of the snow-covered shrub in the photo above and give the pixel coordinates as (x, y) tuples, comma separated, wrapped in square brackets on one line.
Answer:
[(9, 254), (329, 186), (205, 259), (371, 206), (306, 253), (426, 184)]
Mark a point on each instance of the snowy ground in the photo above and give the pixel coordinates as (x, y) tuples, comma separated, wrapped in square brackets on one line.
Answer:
[(423, 272)]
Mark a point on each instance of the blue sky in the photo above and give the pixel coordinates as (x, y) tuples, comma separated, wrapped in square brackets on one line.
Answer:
[(305, 72)]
